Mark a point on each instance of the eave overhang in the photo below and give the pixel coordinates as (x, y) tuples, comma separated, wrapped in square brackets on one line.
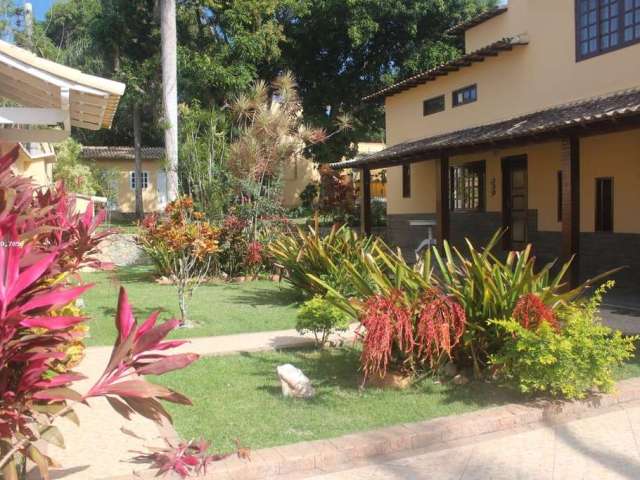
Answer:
[(477, 20), (467, 60)]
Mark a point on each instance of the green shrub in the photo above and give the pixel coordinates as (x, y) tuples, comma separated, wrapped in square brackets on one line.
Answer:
[(485, 286), (322, 319), (307, 254), (570, 362), (490, 288)]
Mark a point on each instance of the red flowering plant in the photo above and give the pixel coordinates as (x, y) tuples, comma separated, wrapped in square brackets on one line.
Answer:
[(407, 324), (34, 328), (254, 258), (531, 312)]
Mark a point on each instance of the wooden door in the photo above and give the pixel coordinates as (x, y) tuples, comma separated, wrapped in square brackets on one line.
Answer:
[(515, 202)]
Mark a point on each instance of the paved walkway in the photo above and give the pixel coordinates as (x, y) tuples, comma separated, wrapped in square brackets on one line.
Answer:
[(602, 447), (100, 449)]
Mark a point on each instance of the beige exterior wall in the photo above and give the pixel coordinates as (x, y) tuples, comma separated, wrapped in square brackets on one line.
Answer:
[(298, 173), (127, 196), (38, 167), (612, 155), (529, 78)]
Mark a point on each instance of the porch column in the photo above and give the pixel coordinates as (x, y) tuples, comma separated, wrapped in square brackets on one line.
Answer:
[(442, 200), (365, 202), (570, 166)]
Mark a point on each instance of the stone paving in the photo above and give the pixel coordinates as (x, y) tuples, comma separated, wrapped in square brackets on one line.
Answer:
[(602, 446)]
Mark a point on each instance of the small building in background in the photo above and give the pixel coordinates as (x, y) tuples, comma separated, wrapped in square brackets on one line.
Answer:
[(35, 160), (298, 173), (121, 160)]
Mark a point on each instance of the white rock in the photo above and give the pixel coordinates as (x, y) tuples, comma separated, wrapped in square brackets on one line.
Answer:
[(294, 383)]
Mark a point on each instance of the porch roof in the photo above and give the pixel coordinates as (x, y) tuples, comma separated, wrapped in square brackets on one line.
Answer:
[(600, 114), (493, 50), (477, 20)]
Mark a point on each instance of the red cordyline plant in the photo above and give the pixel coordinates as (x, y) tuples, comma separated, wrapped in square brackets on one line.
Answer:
[(531, 312), (34, 250), (181, 458)]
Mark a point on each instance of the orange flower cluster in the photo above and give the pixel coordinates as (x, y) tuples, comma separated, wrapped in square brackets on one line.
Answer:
[(184, 229)]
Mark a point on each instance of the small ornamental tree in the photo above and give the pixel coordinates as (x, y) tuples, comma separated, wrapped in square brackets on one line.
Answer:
[(43, 239), (183, 246)]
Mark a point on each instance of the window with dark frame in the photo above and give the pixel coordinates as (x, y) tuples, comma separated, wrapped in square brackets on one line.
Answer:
[(467, 187), (145, 180), (559, 195), (604, 205), (433, 105), (606, 25), (465, 95), (406, 181)]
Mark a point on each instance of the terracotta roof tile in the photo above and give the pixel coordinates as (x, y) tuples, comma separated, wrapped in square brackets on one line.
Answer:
[(121, 153)]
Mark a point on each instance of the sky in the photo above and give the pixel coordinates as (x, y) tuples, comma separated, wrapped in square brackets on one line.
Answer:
[(40, 7)]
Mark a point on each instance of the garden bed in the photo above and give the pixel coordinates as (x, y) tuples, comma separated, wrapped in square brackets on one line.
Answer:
[(222, 309), (239, 396)]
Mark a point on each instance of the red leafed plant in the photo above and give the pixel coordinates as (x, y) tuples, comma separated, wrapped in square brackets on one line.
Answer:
[(402, 334), (531, 311), (440, 326), (181, 458), (41, 239)]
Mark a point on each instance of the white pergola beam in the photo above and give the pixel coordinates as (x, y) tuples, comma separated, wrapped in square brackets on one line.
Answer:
[(31, 116)]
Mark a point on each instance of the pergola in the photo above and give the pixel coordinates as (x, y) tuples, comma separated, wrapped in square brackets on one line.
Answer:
[(52, 98)]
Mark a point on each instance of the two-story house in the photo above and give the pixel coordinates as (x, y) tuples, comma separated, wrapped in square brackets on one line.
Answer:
[(536, 128)]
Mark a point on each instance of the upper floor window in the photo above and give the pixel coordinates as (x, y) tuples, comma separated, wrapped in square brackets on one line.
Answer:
[(433, 105), (465, 95), (606, 25), (467, 187)]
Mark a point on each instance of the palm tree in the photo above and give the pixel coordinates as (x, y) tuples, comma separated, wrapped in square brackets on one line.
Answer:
[(170, 92)]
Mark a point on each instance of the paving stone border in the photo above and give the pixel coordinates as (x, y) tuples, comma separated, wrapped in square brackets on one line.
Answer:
[(333, 453)]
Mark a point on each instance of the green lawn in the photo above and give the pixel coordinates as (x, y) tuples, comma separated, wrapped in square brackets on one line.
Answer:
[(239, 397), (216, 309)]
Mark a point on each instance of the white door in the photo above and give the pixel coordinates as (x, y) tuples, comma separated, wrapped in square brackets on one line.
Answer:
[(162, 189)]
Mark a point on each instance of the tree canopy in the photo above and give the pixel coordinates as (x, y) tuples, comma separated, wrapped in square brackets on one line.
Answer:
[(338, 50)]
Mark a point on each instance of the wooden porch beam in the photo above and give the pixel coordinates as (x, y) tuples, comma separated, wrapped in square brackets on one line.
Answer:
[(442, 200), (570, 166), (365, 201)]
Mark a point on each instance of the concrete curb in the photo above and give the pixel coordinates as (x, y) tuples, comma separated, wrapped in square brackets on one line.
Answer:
[(333, 453)]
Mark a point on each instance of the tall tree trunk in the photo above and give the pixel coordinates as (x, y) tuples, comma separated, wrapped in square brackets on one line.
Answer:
[(138, 160), (170, 92)]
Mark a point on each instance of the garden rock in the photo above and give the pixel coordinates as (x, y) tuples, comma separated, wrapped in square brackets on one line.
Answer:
[(121, 250), (460, 379), (294, 383)]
